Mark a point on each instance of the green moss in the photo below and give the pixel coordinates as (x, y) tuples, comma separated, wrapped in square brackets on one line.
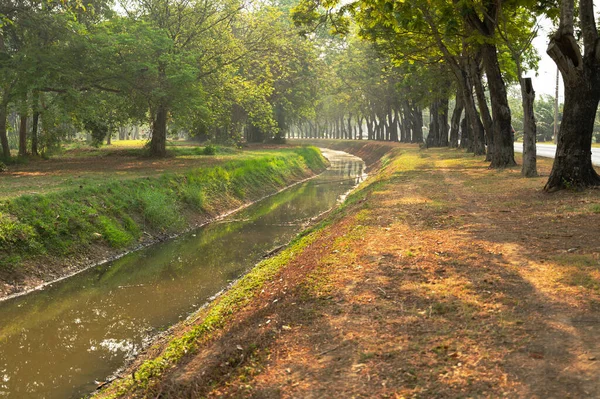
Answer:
[(113, 233)]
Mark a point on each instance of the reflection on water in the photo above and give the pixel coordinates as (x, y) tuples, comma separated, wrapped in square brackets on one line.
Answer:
[(56, 342)]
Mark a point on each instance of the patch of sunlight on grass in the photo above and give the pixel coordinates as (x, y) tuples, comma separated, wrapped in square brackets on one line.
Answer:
[(129, 143), (409, 161), (412, 200)]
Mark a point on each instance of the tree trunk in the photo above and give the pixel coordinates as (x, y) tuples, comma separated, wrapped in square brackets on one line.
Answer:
[(35, 123), (158, 143), (417, 124), (360, 127), (476, 144), (394, 125), (23, 134), (349, 136), (3, 136), (34, 132), (455, 121), (370, 131), (486, 118), (434, 131), (529, 129), (572, 166), (466, 135), (443, 122), (503, 154)]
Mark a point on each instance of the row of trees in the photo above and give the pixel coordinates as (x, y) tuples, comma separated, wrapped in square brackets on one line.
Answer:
[(229, 69), (215, 69), (441, 50)]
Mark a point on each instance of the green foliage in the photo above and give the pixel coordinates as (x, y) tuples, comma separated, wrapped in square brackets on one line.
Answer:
[(209, 149), (3, 167)]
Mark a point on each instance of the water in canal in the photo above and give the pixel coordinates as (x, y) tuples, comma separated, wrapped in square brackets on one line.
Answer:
[(56, 342)]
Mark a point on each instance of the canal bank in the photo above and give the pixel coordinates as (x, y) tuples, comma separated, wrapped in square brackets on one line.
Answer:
[(47, 237)]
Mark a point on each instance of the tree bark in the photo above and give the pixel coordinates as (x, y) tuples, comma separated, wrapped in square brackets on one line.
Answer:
[(434, 128), (34, 132), (455, 121), (417, 125), (466, 135), (3, 136), (443, 122), (476, 135), (23, 134), (503, 154), (360, 128), (572, 166), (529, 168), (484, 111), (158, 143)]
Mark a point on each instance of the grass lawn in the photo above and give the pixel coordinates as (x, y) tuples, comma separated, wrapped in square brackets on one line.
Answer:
[(84, 166)]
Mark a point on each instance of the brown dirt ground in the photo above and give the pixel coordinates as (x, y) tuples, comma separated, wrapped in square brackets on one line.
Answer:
[(445, 280)]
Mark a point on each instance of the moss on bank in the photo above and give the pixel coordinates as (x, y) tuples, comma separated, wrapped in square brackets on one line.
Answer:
[(118, 214)]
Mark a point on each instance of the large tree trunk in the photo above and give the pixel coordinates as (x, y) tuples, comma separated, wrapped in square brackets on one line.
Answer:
[(581, 75), (466, 135), (455, 121), (433, 136), (476, 144), (529, 168), (3, 136), (503, 154), (158, 143), (486, 118)]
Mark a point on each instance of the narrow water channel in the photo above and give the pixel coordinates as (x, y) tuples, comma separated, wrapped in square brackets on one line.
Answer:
[(55, 343)]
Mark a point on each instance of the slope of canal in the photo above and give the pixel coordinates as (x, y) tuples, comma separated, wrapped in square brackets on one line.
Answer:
[(56, 343)]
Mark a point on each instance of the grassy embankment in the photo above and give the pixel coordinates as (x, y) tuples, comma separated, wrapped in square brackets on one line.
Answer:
[(117, 212), (437, 278)]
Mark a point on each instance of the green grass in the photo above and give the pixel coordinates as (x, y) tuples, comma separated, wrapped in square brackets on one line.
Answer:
[(118, 212)]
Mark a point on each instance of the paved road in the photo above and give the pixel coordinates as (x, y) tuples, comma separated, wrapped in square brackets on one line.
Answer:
[(548, 151)]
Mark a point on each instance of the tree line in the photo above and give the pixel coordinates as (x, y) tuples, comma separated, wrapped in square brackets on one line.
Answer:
[(232, 70)]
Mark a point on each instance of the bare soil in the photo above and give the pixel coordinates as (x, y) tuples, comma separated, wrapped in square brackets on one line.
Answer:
[(444, 279)]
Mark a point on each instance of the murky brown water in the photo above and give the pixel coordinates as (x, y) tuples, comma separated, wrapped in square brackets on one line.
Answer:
[(57, 342)]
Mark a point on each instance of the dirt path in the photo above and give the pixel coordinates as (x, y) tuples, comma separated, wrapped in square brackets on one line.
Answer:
[(442, 279)]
